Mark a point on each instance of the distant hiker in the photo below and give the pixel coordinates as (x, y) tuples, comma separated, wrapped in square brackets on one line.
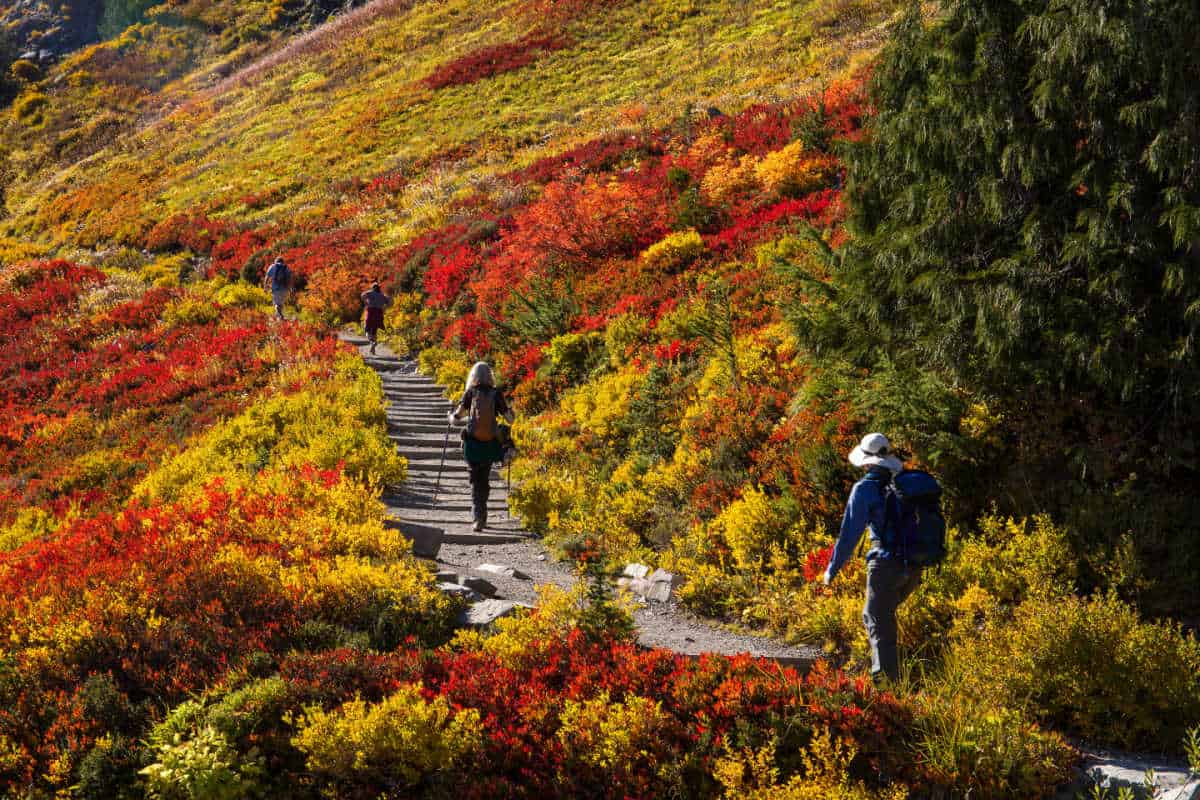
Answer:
[(375, 301), (279, 279), (482, 404), (907, 534)]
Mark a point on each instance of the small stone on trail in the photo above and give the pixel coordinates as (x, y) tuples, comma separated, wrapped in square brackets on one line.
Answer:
[(480, 585), (445, 576), (636, 571), (457, 590), (503, 569), (485, 612), (541, 557)]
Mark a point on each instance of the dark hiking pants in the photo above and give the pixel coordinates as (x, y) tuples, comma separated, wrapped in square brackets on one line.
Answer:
[(889, 582), (481, 474)]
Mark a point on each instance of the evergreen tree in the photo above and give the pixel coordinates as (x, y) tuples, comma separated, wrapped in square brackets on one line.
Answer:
[(1026, 209)]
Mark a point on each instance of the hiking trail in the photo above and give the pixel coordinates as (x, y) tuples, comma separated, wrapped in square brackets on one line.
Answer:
[(416, 416)]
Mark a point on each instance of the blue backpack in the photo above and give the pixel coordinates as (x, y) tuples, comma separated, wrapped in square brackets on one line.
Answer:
[(915, 528)]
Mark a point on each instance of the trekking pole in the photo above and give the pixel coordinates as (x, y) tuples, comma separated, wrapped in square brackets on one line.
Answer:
[(445, 443), (507, 485)]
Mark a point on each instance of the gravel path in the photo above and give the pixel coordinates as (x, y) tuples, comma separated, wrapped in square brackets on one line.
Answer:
[(417, 422)]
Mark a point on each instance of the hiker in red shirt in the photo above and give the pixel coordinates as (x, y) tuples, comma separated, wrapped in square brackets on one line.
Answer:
[(375, 301)]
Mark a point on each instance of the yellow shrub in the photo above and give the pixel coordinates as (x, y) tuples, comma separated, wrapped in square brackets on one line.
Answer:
[(94, 469), (791, 172), (30, 107), (190, 309), (524, 636), (748, 526), (1015, 559), (750, 774), (337, 421), (730, 179), (403, 737), (349, 591), (673, 253), (611, 736), (165, 270), (622, 334), (30, 523), (401, 322), (447, 367), (243, 295), (598, 406), (1091, 667)]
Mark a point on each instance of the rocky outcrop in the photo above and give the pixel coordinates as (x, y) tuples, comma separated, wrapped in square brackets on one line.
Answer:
[(45, 30)]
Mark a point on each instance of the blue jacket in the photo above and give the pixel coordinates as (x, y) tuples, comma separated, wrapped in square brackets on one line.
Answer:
[(864, 508)]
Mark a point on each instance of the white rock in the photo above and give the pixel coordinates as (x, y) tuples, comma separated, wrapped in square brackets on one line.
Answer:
[(1116, 772), (662, 576), (636, 571), (503, 569), (659, 592)]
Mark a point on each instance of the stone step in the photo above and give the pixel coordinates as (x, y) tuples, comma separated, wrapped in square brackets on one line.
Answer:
[(423, 402), (482, 538), (423, 427), (416, 440), (434, 456), (439, 420), (414, 389)]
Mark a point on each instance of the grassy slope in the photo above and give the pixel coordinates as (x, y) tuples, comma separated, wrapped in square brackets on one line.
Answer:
[(354, 109)]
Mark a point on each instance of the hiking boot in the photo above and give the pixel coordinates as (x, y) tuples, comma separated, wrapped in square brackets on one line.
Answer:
[(372, 348), (477, 527)]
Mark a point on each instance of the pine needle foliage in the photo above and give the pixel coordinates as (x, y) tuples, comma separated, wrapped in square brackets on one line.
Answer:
[(1026, 209)]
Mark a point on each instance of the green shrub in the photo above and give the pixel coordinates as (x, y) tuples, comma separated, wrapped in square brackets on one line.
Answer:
[(1088, 667), (987, 752), (205, 767)]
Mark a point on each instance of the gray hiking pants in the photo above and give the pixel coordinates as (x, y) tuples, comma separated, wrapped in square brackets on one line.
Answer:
[(889, 582)]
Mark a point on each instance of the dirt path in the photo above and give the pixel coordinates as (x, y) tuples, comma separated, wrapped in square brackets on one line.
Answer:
[(416, 413)]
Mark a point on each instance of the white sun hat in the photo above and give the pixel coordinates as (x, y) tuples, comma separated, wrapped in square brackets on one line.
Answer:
[(875, 451)]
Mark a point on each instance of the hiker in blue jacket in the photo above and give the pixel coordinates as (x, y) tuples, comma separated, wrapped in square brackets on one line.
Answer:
[(279, 281), (890, 579)]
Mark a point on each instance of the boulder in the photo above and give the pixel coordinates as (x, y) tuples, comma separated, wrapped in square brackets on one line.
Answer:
[(503, 570), (1115, 772), (446, 576), (484, 612), (480, 585), (426, 539), (639, 587), (662, 576), (636, 571)]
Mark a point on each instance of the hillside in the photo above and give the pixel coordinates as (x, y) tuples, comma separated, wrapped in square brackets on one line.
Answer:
[(707, 246)]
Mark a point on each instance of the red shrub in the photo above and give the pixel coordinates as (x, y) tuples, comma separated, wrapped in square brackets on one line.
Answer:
[(823, 206), (598, 155), (196, 232), (231, 255), (494, 60), (449, 269)]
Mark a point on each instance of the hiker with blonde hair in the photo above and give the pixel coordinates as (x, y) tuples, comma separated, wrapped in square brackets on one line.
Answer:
[(482, 404)]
